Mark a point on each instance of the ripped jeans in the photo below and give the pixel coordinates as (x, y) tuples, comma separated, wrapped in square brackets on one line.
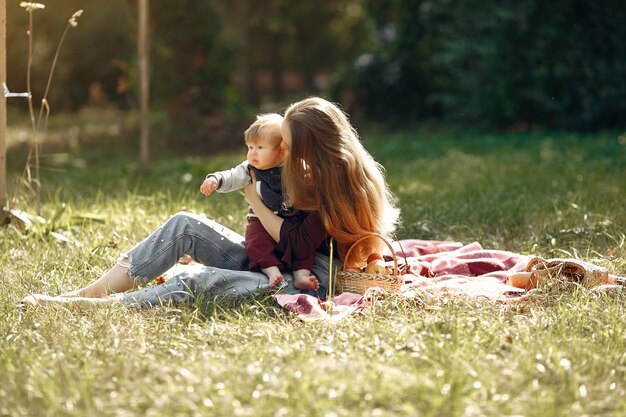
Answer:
[(224, 270)]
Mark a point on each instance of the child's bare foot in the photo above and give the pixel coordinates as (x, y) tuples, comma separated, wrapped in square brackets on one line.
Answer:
[(273, 274), (185, 259), (303, 280)]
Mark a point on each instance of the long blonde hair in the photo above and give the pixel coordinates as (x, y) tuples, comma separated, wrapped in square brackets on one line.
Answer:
[(329, 171)]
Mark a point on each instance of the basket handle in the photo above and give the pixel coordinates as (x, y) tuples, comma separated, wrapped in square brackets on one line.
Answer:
[(370, 235)]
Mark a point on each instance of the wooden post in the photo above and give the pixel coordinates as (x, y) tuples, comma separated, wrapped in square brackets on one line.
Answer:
[(3, 105), (144, 85)]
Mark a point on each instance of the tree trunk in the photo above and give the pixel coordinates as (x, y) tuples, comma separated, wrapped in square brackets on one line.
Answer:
[(144, 85), (3, 105)]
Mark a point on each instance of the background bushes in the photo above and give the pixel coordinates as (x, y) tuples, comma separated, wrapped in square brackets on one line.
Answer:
[(516, 64), (490, 64)]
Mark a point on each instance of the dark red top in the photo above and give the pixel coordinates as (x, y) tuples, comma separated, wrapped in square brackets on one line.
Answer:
[(301, 236)]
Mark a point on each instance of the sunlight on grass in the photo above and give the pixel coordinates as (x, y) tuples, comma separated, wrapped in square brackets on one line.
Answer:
[(560, 353)]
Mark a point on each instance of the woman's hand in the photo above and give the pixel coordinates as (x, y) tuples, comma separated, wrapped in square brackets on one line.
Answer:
[(250, 193), (270, 221)]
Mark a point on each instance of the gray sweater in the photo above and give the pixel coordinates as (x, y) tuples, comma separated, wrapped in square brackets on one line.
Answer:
[(268, 185)]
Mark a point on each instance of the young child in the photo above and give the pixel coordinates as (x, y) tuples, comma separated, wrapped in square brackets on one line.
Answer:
[(265, 158)]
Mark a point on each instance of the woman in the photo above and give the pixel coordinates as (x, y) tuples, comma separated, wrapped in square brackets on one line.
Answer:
[(328, 174)]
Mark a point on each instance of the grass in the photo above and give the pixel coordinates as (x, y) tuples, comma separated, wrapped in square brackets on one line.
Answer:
[(559, 354)]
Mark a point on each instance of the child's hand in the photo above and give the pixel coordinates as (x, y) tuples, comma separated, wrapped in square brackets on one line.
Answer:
[(208, 186)]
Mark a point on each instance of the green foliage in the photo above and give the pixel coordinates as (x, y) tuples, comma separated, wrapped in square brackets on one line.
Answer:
[(99, 51), (321, 35), (197, 55), (491, 64), (494, 64), (187, 43)]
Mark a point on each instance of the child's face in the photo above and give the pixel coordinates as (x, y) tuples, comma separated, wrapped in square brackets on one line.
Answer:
[(265, 153)]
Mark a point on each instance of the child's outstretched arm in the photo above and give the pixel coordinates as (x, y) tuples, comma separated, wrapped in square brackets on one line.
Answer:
[(226, 181)]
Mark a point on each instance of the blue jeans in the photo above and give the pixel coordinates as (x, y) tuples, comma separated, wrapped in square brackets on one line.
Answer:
[(211, 244)]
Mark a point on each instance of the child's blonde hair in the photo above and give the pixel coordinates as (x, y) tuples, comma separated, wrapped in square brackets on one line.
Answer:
[(253, 134), (329, 171)]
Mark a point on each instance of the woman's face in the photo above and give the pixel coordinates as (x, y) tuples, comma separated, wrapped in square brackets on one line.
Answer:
[(286, 133)]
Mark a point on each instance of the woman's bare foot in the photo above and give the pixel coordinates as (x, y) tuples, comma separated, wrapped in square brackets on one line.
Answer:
[(303, 280), (31, 300), (36, 300), (273, 274)]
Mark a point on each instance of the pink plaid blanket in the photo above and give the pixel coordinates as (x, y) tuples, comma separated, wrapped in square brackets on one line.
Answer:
[(434, 266)]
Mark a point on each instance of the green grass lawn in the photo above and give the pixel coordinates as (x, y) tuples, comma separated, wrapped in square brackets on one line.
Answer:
[(548, 194)]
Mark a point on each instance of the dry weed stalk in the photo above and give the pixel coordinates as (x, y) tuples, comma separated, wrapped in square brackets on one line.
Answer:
[(27, 178)]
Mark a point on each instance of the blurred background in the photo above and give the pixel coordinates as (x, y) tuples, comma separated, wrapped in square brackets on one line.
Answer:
[(490, 64)]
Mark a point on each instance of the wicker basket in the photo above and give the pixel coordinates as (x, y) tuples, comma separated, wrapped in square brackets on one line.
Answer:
[(566, 269), (358, 282)]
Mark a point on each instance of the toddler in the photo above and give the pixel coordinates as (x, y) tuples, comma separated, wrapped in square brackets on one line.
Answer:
[(265, 158)]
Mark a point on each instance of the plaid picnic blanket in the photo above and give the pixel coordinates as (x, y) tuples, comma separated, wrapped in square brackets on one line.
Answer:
[(435, 267)]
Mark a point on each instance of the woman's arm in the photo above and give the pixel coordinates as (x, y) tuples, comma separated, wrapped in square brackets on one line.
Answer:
[(294, 238), (300, 238), (270, 221)]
